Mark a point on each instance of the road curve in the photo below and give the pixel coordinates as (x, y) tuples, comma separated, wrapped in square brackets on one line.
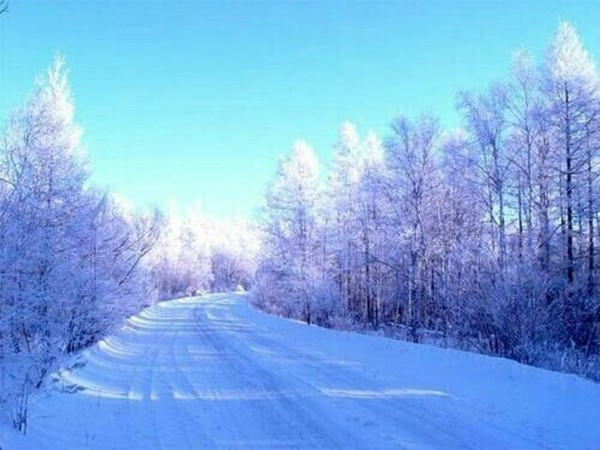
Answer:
[(210, 372)]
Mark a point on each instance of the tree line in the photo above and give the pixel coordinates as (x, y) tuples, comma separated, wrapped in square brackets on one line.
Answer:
[(71, 257), (484, 237), (196, 253)]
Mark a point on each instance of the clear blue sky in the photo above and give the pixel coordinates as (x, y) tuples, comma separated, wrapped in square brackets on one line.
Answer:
[(195, 100)]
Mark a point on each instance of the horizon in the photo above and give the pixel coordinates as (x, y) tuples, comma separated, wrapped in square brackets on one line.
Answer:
[(194, 103)]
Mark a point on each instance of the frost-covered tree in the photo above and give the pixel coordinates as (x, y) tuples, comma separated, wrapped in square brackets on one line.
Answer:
[(572, 101), (372, 239), (290, 278), (44, 173), (572, 93), (412, 181), (343, 227), (234, 251), (355, 232), (113, 272), (181, 258), (70, 261), (196, 253)]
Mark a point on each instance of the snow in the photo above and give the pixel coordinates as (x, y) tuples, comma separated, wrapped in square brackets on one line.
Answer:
[(211, 372)]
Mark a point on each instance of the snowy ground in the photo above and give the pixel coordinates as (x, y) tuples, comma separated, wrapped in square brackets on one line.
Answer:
[(211, 372)]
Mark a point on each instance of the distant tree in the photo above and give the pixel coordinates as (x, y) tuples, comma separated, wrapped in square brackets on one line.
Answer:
[(234, 252), (196, 253), (181, 260)]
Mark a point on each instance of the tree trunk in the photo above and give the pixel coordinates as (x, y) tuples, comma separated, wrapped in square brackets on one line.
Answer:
[(569, 190)]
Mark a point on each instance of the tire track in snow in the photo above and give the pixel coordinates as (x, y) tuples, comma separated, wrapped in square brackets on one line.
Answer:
[(186, 420), (419, 423), (210, 373), (287, 401)]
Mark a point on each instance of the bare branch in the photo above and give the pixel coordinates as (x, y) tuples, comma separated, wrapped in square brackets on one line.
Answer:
[(3, 6)]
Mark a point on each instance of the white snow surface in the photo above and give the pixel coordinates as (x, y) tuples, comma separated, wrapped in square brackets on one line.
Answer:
[(211, 372)]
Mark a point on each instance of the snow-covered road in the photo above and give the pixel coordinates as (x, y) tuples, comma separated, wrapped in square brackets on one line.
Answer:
[(210, 372)]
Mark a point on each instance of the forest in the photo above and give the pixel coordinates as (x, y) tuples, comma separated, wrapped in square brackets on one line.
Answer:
[(481, 238)]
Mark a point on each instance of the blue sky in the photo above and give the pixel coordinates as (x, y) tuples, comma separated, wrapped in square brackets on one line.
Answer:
[(195, 100)]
